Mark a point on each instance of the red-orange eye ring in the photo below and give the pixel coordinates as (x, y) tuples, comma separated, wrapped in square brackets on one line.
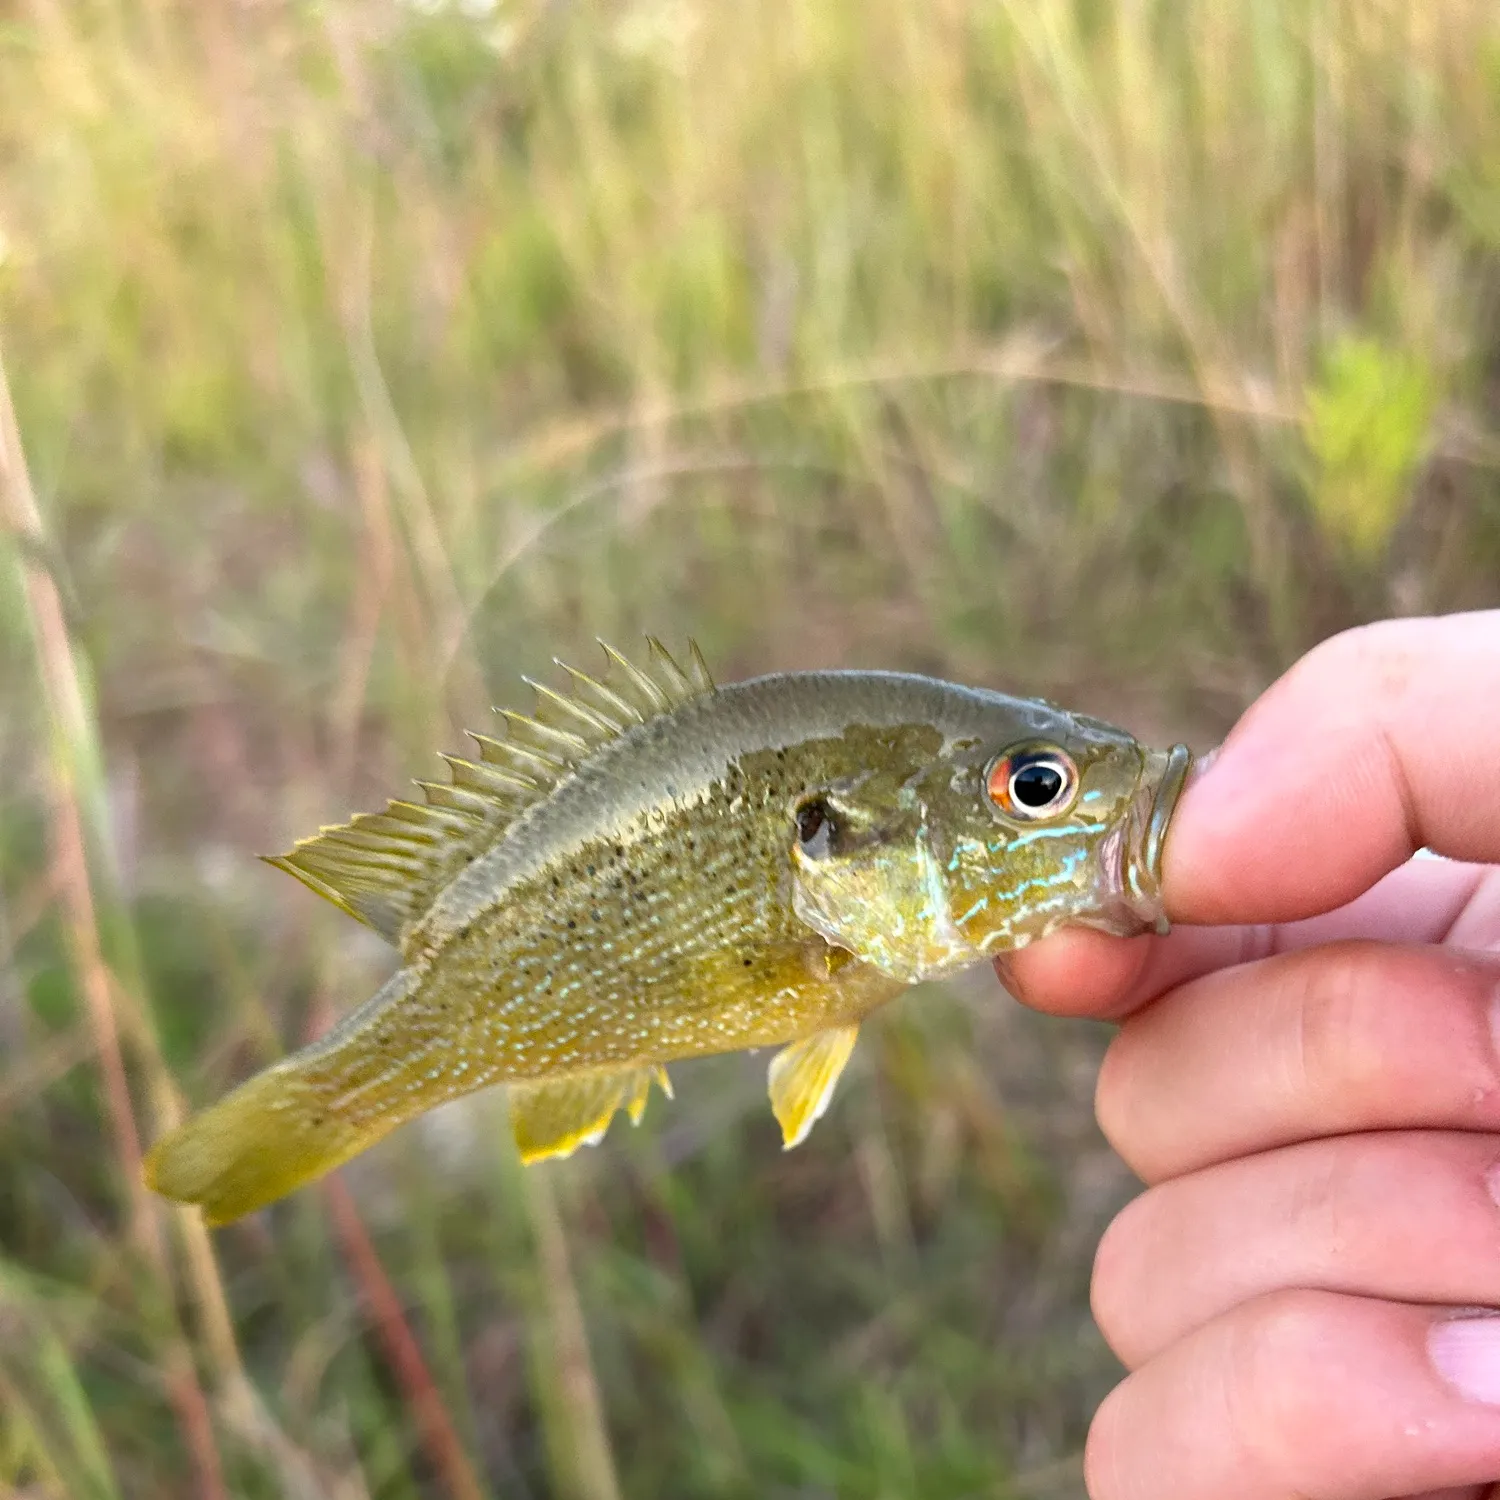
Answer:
[(1032, 783)]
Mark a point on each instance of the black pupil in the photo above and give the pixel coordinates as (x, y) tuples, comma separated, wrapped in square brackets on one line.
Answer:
[(1037, 785), (811, 816)]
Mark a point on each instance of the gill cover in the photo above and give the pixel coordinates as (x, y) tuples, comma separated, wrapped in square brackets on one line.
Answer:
[(926, 872), (865, 876)]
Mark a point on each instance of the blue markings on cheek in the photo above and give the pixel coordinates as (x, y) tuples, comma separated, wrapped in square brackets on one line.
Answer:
[(1028, 890), (1019, 899), (973, 911), (1058, 831), (963, 849)]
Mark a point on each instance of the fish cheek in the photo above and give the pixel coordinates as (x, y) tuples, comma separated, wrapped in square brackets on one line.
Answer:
[(887, 904), (1008, 892)]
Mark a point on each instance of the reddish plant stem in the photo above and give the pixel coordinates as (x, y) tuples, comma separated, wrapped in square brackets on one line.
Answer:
[(61, 687), (402, 1352)]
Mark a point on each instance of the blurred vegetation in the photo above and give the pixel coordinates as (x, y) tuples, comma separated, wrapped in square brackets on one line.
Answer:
[(367, 354)]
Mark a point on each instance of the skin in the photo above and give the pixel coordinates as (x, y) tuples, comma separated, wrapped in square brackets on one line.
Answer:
[(1307, 1078)]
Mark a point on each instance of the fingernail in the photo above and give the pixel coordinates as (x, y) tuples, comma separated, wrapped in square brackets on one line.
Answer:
[(1466, 1353)]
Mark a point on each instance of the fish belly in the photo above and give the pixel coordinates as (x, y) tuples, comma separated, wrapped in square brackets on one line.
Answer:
[(431, 1036)]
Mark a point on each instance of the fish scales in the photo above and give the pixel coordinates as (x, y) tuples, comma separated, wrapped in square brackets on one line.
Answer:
[(669, 933), (762, 864)]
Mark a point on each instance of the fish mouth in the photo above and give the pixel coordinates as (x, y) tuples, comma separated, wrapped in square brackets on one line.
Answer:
[(1144, 835)]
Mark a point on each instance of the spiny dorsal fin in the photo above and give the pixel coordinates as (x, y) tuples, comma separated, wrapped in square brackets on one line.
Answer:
[(387, 868), (557, 1117)]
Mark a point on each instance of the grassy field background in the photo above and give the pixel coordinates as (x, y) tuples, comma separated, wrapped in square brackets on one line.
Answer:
[(365, 355)]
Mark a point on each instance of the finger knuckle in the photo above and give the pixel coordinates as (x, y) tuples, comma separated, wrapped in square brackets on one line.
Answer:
[(1352, 1035), (1335, 1043), (1113, 1092), (1105, 1453), (1383, 650), (1477, 926), (1116, 1290), (1276, 1405), (1320, 1209), (1255, 1389)]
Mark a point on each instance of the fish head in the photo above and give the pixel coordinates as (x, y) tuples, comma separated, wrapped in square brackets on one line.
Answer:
[(985, 836)]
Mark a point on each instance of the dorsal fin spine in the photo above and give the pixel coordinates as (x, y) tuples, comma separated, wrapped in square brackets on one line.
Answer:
[(543, 767), (656, 700), (520, 727), (387, 868), (605, 698), (499, 755), (455, 798), (487, 781), (661, 659), (581, 713), (701, 676)]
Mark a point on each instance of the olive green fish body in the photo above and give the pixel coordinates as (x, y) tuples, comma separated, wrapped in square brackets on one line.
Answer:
[(700, 871)]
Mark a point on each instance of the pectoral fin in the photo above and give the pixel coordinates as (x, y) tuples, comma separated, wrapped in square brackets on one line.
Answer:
[(803, 1077), (555, 1119)]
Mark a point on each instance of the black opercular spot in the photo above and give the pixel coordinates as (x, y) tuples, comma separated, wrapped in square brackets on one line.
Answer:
[(811, 816), (816, 828)]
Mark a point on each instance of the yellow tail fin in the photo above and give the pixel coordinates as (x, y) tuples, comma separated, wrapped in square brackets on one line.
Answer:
[(267, 1138), (298, 1119)]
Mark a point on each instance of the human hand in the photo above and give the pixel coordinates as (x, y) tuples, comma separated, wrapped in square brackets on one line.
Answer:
[(1314, 1104)]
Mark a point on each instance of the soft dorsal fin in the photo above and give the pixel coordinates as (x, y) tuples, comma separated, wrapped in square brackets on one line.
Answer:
[(387, 868)]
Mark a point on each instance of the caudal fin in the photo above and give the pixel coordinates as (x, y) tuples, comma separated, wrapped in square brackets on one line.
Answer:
[(257, 1144)]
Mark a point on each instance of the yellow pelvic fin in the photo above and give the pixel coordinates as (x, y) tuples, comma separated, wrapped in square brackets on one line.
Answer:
[(386, 869), (556, 1118), (803, 1077)]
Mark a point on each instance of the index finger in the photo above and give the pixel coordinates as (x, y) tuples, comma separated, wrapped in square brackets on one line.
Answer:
[(1382, 741), (1078, 972)]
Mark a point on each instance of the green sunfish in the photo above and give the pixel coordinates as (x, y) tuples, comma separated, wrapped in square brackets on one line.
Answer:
[(650, 867)]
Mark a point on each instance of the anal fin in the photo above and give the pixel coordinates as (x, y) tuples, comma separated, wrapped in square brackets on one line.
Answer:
[(639, 1090), (556, 1118), (803, 1077)]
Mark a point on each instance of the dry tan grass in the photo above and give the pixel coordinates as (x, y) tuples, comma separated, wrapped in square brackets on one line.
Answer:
[(366, 354)]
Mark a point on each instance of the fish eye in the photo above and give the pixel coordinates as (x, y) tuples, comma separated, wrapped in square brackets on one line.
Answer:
[(815, 827), (1032, 783)]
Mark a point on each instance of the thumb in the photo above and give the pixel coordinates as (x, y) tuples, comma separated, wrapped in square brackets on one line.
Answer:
[(1381, 741)]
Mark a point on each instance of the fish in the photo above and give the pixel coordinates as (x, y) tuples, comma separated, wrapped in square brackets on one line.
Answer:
[(650, 867)]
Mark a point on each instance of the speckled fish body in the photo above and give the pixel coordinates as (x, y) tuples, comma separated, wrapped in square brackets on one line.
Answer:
[(653, 868)]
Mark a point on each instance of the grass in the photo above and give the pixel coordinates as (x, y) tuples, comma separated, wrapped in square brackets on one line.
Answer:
[(365, 355)]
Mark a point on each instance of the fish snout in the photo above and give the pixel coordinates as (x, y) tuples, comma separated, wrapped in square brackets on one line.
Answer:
[(1145, 833)]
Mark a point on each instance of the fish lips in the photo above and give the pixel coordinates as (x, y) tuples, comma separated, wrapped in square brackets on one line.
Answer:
[(1130, 895)]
